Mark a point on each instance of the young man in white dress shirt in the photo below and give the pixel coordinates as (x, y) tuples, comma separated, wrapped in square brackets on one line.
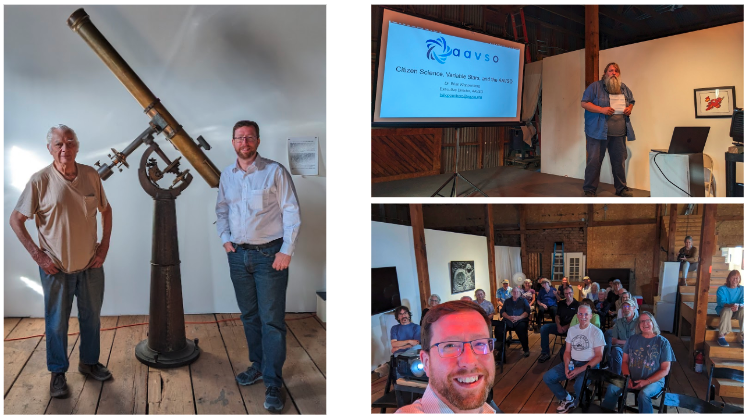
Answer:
[(258, 220)]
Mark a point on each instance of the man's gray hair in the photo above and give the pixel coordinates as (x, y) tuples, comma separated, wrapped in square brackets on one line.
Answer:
[(688, 238), (61, 128), (656, 329), (518, 289), (581, 306), (439, 300)]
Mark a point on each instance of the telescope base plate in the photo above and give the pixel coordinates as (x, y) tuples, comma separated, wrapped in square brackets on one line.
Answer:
[(175, 359)]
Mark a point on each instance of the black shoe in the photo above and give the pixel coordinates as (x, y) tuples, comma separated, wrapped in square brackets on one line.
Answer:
[(626, 192), (97, 371), (526, 354), (544, 357), (273, 402), (251, 376), (58, 385), (589, 194)]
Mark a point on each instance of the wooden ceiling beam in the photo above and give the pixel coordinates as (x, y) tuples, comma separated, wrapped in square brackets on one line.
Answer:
[(637, 26), (565, 12), (668, 17)]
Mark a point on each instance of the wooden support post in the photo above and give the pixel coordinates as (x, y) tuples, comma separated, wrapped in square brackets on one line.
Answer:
[(591, 44), (706, 250), (672, 231), (523, 250), (489, 229), (420, 250), (657, 249)]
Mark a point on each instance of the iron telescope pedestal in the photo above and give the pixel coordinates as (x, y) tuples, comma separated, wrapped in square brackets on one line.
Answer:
[(166, 346)]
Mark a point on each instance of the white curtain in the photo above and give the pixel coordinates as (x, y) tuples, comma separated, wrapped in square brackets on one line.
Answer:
[(508, 262)]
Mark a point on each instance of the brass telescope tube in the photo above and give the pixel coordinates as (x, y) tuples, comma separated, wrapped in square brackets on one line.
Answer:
[(80, 22)]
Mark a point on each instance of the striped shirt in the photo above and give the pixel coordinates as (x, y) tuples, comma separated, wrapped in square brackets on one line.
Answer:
[(430, 403)]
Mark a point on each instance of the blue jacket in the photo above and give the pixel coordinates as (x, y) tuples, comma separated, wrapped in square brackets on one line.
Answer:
[(595, 123), (729, 296)]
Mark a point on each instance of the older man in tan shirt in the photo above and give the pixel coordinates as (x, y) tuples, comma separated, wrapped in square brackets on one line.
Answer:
[(64, 198)]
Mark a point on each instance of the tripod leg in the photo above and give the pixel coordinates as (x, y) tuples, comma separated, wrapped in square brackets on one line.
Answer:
[(443, 185), (474, 186)]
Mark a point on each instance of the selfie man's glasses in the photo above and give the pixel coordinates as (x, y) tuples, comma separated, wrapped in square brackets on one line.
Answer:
[(454, 349)]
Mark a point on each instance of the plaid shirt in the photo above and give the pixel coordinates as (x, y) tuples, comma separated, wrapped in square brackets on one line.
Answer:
[(430, 403)]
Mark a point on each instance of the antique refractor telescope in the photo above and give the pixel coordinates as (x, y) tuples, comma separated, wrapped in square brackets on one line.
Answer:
[(167, 345)]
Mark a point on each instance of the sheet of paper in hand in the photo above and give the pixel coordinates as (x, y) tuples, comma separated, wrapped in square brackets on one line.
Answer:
[(618, 103)]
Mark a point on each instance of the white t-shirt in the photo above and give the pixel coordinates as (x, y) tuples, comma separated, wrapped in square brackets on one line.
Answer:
[(583, 341)]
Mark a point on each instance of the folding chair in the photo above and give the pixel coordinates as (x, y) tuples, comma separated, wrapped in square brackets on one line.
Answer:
[(388, 400), (660, 394), (599, 378), (687, 402), (723, 373)]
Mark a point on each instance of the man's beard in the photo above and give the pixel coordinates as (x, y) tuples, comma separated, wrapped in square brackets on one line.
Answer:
[(246, 155), (613, 85), (455, 398)]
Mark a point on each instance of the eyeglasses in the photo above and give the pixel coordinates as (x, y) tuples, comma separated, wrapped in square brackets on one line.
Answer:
[(455, 349), (245, 139)]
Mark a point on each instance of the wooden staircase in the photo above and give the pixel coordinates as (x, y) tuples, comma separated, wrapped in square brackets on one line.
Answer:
[(732, 356)]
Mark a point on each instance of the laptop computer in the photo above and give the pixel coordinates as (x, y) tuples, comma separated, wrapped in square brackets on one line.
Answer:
[(687, 140)]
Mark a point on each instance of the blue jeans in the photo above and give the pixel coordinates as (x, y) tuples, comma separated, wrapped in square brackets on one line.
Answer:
[(261, 296), (546, 330), (59, 290), (556, 376), (615, 359), (644, 398), (686, 267), (596, 150)]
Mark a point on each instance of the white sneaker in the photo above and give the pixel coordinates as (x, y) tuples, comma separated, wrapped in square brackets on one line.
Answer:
[(566, 405)]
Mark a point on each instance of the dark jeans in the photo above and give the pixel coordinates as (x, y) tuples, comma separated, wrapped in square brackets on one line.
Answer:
[(540, 311), (596, 149), (521, 329), (59, 290), (557, 375), (261, 295)]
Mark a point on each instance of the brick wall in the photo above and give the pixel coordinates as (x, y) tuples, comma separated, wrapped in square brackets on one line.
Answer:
[(543, 242)]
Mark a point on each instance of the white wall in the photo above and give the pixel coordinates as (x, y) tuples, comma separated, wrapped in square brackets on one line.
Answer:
[(444, 247), (211, 66), (662, 75), (393, 245)]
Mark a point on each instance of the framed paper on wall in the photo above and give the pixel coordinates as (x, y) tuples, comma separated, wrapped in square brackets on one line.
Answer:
[(714, 102), (462, 276)]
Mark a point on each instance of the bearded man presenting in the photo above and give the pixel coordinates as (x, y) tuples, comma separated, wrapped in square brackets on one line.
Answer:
[(608, 104)]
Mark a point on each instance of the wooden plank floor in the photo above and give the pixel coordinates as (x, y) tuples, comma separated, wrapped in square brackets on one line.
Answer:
[(205, 387), (520, 387)]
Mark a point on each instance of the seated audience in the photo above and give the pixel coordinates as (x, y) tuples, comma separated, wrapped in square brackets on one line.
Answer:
[(503, 293), (613, 296), (625, 295), (528, 292), (434, 299), (566, 310), (646, 358), (547, 301), (689, 258), (594, 319), (601, 305), (584, 348), (617, 336), (405, 334), (585, 290), (486, 305), (730, 305), (593, 293), (457, 356), (561, 288), (515, 314)]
